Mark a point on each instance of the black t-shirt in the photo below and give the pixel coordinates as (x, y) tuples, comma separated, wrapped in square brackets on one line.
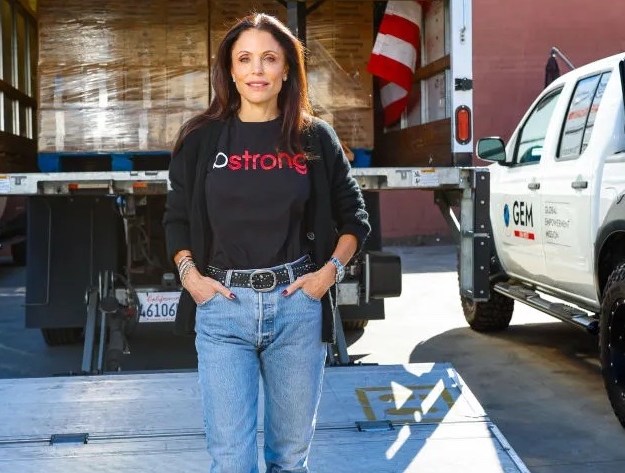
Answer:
[(256, 197)]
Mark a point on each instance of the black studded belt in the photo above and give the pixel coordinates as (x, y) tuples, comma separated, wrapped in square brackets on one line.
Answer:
[(262, 280)]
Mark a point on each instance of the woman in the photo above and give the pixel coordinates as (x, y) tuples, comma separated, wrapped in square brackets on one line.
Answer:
[(258, 183)]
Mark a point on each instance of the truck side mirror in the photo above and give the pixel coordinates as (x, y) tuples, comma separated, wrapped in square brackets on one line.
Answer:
[(492, 149)]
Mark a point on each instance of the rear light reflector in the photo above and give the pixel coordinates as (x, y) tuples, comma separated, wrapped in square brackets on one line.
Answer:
[(463, 125)]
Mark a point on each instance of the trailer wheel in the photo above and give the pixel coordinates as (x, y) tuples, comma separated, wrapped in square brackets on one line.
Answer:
[(355, 324), (612, 340), (62, 336), (490, 316)]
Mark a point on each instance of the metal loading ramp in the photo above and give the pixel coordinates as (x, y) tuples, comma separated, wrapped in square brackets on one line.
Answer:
[(400, 418)]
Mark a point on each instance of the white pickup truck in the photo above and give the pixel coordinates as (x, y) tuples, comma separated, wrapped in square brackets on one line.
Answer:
[(557, 212)]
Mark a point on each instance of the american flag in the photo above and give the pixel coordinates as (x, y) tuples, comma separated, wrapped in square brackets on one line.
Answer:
[(394, 55)]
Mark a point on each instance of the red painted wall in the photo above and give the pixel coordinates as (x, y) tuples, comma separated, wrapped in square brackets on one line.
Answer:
[(410, 217), (511, 45)]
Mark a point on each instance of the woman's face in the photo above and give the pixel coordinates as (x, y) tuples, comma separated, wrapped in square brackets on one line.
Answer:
[(258, 68)]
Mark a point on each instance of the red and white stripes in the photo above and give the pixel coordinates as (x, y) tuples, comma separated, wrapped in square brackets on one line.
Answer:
[(394, 55)]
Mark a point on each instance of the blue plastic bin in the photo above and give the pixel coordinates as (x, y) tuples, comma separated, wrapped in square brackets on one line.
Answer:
[(362, 158)]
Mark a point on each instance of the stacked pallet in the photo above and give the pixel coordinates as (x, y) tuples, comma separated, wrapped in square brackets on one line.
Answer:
[(117, 75), (340, 40)]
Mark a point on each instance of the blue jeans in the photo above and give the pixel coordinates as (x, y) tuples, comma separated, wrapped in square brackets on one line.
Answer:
[(260, 334)]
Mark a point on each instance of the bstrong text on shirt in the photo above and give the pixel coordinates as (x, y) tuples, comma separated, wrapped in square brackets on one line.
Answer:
[(264, 162)]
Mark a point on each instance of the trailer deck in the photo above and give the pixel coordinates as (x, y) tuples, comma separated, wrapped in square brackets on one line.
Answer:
[(383, 419)]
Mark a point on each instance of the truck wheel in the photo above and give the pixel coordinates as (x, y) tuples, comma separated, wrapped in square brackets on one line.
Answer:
[(490, 316), (355, 324), (61, 336), (612, 340)]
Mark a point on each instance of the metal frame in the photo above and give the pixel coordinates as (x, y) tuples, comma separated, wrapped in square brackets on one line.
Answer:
[(471, 184), (461, 69)]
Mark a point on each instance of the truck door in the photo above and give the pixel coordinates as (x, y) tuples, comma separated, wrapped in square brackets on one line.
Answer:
[(515, 211), (566, 188)]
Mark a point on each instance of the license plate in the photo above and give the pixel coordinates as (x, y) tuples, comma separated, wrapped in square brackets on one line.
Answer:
[(157, 306)]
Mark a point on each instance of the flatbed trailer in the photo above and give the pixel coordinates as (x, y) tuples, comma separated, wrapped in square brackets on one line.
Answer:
[(417, 417)]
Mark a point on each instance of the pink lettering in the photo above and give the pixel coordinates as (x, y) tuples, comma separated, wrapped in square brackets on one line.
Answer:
[(234, 162), (158, 298), (284, 156), (268, 158), (247, 156), (299, 160), (254, 159), (266, 162)]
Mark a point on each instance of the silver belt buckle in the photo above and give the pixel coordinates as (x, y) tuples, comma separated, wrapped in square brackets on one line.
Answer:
[(261, 272)]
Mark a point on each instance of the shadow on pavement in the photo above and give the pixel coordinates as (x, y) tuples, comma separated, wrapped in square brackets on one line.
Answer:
[(541, 384)]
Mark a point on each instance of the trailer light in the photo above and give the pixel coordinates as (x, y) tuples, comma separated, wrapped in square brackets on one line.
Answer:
[(149, 187), (88, 187), (463, 124)]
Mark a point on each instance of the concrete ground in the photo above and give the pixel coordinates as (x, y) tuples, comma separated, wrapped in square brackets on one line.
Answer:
[(539, 381)]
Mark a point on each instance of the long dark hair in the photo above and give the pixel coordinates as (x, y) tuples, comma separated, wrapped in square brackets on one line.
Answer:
[(293, 99)]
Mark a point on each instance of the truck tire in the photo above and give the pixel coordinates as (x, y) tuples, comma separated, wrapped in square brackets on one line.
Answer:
[(491, 316), (612, 340), (61, 336)]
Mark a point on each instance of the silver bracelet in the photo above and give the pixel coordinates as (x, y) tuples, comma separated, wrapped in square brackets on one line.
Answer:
[(183, 261), (185, 272), (184, 266)]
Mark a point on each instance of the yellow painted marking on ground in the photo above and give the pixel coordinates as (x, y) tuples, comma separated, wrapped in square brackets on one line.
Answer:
[(408, 403)]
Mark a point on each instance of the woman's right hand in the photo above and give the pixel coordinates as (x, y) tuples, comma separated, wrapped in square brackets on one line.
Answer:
[(203, 288)]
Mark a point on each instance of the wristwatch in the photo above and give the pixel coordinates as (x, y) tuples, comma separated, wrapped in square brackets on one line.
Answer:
[(340, 269)]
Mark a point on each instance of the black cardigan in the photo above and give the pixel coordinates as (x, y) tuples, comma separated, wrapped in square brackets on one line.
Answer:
[(335, 206)]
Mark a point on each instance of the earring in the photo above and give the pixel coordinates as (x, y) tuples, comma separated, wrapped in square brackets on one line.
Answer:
[(233, 79), (284, 78)]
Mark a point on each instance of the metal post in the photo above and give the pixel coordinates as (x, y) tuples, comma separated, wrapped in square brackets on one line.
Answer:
[(466, 236), (341, 344), (475, 235), (102, 339), (90, 326), (444, 201), (296, 18), (481, 234)]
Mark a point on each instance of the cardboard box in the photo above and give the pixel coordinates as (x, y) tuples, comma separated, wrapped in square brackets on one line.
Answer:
[(354, 128), (145, 87), (110, 72), (340, 38), (187, 88), (126, 74)]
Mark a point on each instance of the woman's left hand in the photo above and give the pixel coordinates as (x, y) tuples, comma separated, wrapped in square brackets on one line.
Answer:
[(314, 284)]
